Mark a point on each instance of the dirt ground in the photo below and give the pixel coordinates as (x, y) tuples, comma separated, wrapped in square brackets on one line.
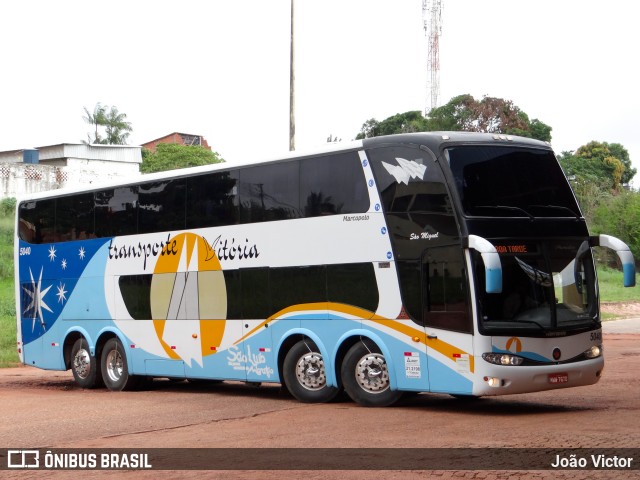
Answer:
[(622, 309), (43, 409)]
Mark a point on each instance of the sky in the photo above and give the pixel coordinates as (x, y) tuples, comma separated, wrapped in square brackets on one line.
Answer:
[(220, 68)]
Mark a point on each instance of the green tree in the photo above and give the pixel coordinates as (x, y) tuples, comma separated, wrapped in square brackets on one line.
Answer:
[(453, 116), (491, 115), (619, 215), (170, 156), (463, 113), (369, 129), (117, 128), (596, 171), (540, 130), (607, 165), (407, 122), (115, 125), (622, 154)]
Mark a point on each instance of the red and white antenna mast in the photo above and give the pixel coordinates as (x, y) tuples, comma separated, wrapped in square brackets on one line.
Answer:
[(432, 18)]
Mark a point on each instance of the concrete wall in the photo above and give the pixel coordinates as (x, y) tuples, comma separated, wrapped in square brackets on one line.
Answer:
[(67, 166)]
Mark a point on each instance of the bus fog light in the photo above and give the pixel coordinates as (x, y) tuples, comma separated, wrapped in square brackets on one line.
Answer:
[(493, 381), (594, 352), (502, 359)]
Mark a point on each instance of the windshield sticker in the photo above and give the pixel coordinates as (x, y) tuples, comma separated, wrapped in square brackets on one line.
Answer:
[(406, 170)]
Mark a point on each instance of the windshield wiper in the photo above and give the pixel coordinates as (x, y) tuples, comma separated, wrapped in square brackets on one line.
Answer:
[(558, 207), (508, 207)]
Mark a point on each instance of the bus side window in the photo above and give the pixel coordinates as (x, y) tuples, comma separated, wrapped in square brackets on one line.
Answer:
[(212, 200), (353, 284), (74, 217), (161, 206), (256, 302), (270, 192), (289, 286), (116, 211), (333, 184), (31, 221)]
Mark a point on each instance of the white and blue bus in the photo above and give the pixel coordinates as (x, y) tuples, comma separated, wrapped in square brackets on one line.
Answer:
[(434, 262)]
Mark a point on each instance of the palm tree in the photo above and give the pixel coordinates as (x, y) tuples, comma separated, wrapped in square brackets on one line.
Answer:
[(97, 118), (117, 129)]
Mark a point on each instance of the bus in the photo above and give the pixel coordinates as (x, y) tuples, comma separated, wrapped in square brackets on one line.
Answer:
[(456, 263)]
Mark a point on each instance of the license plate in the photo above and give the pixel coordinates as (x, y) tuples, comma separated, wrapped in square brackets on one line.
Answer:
[(557, 378)]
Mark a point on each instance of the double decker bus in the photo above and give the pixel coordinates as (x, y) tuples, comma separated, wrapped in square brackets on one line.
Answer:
[(456, 263)]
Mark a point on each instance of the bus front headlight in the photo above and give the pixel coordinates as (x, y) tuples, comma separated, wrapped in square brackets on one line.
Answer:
[(502, 359), (594, 352)]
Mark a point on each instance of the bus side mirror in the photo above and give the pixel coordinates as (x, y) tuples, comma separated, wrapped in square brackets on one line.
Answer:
[(623, 252), (618, 246), (491, 260)]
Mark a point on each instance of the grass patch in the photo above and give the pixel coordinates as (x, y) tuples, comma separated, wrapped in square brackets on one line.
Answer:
[(611, 289), (8, 353)]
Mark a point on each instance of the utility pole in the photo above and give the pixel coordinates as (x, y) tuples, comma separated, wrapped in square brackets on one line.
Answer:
[(292, 93)]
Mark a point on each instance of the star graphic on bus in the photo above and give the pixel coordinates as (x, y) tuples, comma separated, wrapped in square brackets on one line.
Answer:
[(52, 253), (61, 293), (37, 304), (63, 264), (81, 253)]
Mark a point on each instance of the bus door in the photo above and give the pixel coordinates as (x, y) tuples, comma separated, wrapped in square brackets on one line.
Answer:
[(447, 319)]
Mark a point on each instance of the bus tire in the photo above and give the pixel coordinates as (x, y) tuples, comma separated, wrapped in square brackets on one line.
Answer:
[(115, 371), (366, 377), (305, 376), (85, 368)]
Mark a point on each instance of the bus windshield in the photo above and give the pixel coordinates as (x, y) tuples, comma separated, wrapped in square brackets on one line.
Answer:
[(506, 181), (543, 290)]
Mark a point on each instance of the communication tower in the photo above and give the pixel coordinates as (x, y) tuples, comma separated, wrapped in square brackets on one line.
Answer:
[(432, 18)]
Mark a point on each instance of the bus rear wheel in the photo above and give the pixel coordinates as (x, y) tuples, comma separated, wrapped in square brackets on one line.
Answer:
[(305, 374), (115, 370), (366, 377), (85, 368)]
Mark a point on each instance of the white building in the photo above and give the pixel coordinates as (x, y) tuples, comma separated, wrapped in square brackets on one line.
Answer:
[(58, 166)]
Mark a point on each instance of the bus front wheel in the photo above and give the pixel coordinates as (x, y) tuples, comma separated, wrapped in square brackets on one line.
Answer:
[(365, 375), (115, 371), (85, 368), (305, 375)]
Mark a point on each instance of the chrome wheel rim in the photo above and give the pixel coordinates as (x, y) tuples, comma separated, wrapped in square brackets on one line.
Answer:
[(82, 363), (310, 371), (114, 365), (372, 373)]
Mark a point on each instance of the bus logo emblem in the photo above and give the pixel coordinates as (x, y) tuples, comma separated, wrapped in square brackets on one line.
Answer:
[(518, 344), (406, 170)]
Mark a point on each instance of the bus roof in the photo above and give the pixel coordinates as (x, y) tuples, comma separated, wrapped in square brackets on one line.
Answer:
[(437, 140)]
